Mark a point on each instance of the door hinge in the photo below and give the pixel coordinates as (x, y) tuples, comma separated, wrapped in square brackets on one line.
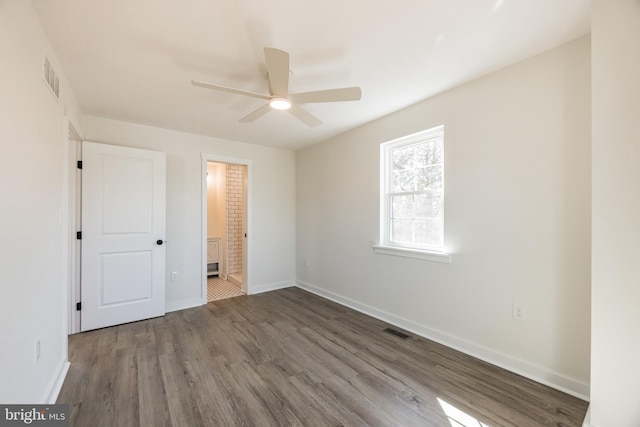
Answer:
[(79, 235), (78, 306), (79, 164)]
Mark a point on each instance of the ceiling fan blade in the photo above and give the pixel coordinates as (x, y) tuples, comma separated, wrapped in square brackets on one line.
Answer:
[(304, 116), (256, 114), (230, 90), (329, 95), (278, 69)]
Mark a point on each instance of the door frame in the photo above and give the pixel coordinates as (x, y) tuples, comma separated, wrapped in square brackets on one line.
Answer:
[(248, 247), (72, 153), (73, 194)]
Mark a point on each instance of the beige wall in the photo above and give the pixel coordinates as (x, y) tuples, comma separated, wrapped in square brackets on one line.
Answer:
[(217, 207), (216, 199), (615, 366), (517, 220)]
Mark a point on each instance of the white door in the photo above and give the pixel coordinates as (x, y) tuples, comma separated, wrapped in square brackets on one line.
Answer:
[(123, 233)]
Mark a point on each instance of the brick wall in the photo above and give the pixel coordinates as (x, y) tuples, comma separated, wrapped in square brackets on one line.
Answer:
[(235, 192)]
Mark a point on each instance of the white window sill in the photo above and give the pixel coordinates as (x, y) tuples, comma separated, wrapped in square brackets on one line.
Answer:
[(413, 253)]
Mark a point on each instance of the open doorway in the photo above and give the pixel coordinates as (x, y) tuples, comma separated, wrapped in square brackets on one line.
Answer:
[(226, 230)]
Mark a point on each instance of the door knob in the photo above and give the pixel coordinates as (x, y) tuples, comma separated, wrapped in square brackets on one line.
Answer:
[(159, 242)]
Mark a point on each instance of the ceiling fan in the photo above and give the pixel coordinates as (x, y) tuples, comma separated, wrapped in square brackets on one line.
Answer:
[(279, 97)]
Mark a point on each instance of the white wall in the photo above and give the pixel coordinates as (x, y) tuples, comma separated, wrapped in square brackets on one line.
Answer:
[(517, 183), (615, 364), (273, 198), (33, 288)]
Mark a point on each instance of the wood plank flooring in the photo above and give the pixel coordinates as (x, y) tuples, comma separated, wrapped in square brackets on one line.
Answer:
[(289, 358)]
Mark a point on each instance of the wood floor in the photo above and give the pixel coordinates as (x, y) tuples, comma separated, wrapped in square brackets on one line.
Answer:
[(291, 358)]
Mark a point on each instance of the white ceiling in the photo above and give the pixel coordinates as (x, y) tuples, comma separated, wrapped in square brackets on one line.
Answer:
[(133, 60)]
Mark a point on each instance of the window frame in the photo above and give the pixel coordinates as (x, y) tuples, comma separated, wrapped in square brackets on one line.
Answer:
[(387, 246)]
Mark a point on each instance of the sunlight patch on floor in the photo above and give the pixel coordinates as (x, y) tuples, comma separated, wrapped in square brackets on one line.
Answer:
[(459, 418)]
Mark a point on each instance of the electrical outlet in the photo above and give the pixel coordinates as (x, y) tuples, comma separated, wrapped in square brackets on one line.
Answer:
[(174, 276), (519, 312), (306, 262), (37, 349)]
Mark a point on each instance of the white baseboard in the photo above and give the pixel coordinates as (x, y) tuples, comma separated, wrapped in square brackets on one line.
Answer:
[(587, 418), (182, 305), (52, 392), (518, 366), (271, 287)]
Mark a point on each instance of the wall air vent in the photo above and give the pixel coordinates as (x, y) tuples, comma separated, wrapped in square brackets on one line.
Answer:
[(51, 78)]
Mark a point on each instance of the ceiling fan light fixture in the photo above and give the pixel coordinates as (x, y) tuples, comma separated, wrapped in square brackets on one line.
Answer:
[(280, 98), (280, 103)]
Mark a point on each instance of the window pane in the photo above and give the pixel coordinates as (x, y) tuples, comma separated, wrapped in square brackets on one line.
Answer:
[(420, 231), (429, 178), (428, 232), (428, 153), (437, 153), (427, 205), (401, 231), (403, 158), (434, 232), (402, 180), (402, 207)]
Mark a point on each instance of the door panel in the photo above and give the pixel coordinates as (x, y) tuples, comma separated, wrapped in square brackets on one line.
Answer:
[(128, 191), (123, 218), (126, 277)]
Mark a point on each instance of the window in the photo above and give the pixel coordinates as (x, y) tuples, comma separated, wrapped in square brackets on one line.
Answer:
[(412, 194)]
